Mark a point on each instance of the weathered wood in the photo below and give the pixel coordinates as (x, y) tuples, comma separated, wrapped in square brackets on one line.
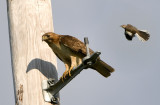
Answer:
[(32, 59)]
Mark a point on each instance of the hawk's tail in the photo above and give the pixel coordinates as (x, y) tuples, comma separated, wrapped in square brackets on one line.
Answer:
[(143, 35), (103, 68)]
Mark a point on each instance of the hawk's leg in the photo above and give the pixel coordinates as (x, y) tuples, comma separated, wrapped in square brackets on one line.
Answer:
[(69, 72), (65, 72), (73, 64), (79, 61)]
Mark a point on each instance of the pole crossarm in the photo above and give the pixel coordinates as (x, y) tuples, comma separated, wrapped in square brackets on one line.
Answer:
[(50, 88)]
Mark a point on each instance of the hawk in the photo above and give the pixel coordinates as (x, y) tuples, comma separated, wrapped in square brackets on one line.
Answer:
[(71, 51), (131, 31)]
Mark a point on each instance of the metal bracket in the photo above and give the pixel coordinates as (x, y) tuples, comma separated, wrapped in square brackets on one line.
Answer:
[(48, 97), (50, 88)]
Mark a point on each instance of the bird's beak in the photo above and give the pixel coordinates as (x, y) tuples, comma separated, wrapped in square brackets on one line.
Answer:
[(44, 38), (122, 26)]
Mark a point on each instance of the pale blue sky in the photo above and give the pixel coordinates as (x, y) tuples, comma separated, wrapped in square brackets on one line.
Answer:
[(136, 80)]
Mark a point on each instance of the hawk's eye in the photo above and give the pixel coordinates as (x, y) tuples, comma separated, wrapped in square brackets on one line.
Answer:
[(48, 36)]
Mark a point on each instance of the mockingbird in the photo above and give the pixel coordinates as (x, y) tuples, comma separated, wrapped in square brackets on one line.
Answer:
[(131, 31)]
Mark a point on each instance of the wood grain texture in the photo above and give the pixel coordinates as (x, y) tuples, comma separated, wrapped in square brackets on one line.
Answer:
[(32, 59)]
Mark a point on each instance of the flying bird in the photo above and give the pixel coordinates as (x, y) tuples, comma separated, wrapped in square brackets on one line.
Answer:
[(71, 51), (131, 31)]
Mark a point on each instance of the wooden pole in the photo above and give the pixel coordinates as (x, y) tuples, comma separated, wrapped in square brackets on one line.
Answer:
[(32, 59)]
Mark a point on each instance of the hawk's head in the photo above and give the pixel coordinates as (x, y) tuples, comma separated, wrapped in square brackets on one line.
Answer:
[(50, 37), (123, 26)]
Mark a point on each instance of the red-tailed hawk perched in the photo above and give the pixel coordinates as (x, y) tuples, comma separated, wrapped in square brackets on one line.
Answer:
[(131, 31), (71, 51)]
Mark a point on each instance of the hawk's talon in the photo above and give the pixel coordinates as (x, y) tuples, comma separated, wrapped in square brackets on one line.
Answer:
[(69, 71), (64, 76), (62, 79)]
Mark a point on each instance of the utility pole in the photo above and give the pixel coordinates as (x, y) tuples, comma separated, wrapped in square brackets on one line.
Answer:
[(32, 60)]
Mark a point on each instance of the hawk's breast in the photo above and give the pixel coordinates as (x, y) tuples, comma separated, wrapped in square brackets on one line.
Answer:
[(63, 52)]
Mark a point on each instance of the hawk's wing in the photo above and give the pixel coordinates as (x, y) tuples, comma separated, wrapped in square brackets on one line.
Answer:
[(74, 44), (79, 48)]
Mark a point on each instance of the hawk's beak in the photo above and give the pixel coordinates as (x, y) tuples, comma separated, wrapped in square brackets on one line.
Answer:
[(44, 38)]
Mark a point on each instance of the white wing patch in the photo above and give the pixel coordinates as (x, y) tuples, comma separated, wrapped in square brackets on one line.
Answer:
[(129, 33)]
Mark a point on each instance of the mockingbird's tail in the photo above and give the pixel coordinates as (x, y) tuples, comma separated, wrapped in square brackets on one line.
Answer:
[(143, 35)]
